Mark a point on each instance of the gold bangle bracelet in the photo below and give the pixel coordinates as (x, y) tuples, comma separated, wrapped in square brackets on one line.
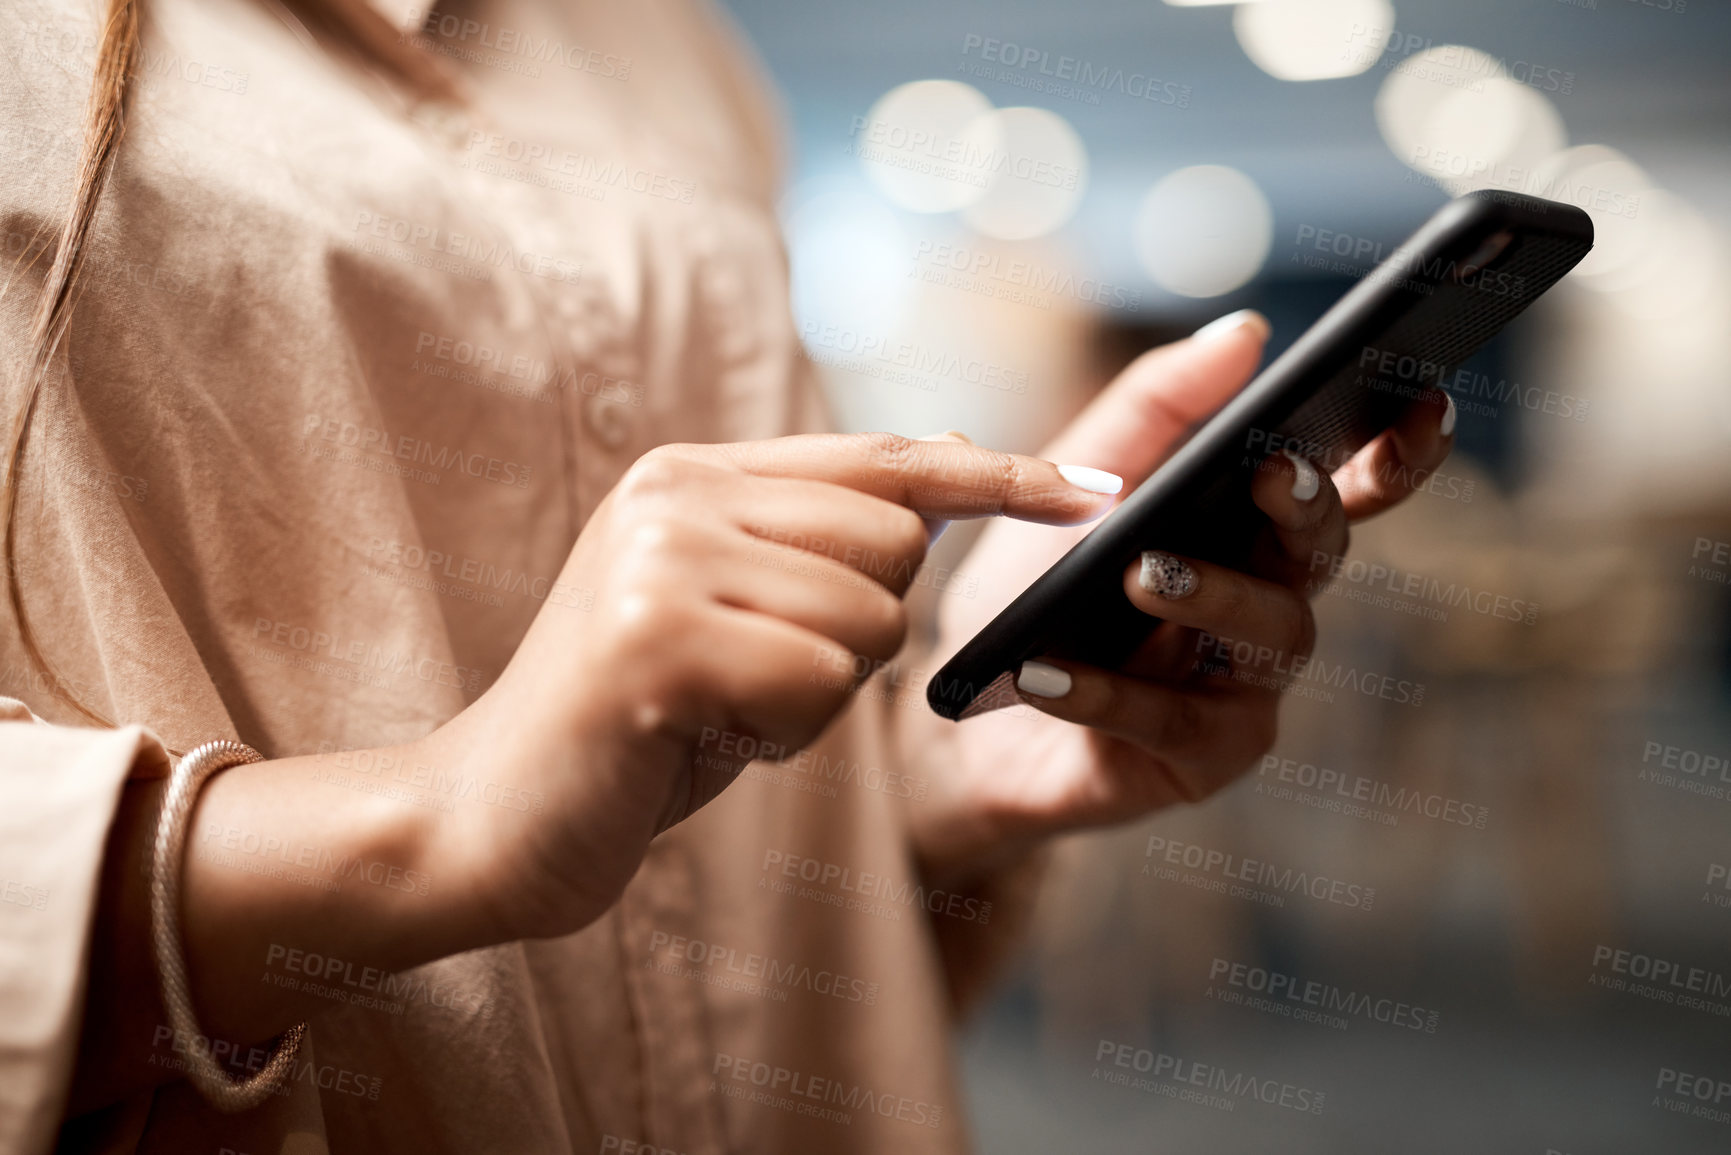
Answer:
[(222, 1092)]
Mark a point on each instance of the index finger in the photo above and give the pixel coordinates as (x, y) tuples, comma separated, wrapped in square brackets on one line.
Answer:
[(946, 480)]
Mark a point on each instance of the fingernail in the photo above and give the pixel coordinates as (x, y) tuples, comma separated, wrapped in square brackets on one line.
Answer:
[(1169, 577), (1043, 681), (947, 435), (1231, 323), (1306, 482), (1090, 479), (1448, 421)]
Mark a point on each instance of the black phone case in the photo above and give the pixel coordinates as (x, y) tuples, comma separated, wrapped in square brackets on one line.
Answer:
[(1436, 300)]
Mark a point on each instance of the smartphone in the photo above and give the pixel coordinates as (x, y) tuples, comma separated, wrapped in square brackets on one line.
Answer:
[(1473, 267)]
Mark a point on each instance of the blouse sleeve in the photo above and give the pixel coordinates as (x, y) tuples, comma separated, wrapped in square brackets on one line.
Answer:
[(59, 789)]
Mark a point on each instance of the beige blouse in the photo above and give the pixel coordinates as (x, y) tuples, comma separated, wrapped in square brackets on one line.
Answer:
[(348, 374)]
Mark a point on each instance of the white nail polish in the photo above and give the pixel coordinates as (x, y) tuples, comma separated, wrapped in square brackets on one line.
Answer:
[(1043, 681), (1448, 418), (1306, 482), (1231, 323), (1090, 479)]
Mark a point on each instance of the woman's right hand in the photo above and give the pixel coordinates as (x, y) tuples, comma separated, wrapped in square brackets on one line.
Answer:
[(701, 598), (711, 593)]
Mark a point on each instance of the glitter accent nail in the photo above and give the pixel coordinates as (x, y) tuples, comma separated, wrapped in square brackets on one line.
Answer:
[(1167, 576)]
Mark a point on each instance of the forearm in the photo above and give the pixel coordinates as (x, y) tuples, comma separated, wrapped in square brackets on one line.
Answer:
[(277, 860)]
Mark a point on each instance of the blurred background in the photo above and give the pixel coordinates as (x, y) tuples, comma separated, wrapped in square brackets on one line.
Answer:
[(1546, 964)]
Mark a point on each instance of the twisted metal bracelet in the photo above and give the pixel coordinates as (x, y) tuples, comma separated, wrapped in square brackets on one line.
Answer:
[(223, 1093)]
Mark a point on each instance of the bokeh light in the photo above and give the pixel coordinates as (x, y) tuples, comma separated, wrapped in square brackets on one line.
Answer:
[(1313, 39), (1676, 266), (848, 255), (1042, 174), (920, 142), (1420, 85), (1489, 136), (1613, 190), (1203, 231)]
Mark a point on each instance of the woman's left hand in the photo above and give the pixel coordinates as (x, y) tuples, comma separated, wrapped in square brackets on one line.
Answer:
[(1196, 705)]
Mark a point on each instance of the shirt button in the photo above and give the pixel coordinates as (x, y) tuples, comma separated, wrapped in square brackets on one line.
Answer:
[(607, 421)]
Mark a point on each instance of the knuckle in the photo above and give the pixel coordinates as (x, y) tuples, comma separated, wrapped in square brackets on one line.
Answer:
[(1007, 476), (656, 540), (891, 451), (643, 621), (653, 475)]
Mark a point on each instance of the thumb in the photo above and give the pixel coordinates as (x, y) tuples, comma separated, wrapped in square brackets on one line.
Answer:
[(1145, 413)]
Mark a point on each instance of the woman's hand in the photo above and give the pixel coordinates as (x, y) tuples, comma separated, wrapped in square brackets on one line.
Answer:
[(685, 631), (1196, 705), (697, 603)]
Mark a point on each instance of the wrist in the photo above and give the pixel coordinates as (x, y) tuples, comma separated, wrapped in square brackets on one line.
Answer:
[(463, 843), (312, 855), (546, 827)]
